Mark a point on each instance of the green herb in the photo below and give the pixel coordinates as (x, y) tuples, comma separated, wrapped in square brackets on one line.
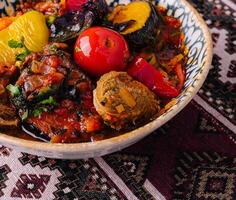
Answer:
[(21, 56), (53, 48), (50, 20), (14, 44), (25, 115), (14, 90), (50, 101), (18, 63), (40, 109), (37, 112)]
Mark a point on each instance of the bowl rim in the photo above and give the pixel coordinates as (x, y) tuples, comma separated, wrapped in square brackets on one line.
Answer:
[(128, 137)]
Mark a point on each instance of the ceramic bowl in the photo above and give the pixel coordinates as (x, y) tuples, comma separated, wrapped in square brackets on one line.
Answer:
[(197, 40)]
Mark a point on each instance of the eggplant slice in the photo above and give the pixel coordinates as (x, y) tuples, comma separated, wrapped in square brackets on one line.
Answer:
[(34, 132), (138, 22), (54, 98), (68, 122), (71, 24)]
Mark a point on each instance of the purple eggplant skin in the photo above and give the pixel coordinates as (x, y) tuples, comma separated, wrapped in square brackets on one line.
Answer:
[(70, 25), (146, 36), (98, 7), (34, 132)]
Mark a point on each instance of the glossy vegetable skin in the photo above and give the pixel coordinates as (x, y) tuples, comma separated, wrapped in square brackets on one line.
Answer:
[(54, 98), (141, 70), (100, 50), (138, 22), (64, 124), (81, 15), (99, 8), (25, 27), (70, 25), (39, 83)]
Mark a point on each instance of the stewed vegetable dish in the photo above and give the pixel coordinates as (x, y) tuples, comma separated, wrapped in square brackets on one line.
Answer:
[(81, 71)]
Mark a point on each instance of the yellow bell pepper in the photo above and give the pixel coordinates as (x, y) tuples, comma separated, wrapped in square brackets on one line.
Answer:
[(32, 27)]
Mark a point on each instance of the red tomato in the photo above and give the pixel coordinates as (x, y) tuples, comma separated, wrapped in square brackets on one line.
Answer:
[(100, 50)]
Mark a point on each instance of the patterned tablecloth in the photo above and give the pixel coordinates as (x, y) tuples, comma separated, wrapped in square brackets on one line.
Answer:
[(191, 157)]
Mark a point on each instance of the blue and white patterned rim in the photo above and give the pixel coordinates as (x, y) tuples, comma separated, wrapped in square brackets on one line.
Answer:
[(7, 7)]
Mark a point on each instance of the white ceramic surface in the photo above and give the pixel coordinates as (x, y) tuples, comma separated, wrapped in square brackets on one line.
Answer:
[(198, 40)]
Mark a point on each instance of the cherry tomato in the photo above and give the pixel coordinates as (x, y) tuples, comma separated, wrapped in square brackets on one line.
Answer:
[(100, 50)]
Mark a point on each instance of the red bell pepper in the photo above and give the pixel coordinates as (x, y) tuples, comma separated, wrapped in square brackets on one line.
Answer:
[(147, 74)]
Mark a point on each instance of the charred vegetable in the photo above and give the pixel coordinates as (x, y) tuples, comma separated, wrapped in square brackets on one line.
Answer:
[(70, 25), (80, 17), (137, 21), (40, 81), (70, 119), (68, 122), (98, 7), (53, 97)]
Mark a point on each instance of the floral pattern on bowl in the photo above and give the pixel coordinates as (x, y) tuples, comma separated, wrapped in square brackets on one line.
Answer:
[(7, 7)]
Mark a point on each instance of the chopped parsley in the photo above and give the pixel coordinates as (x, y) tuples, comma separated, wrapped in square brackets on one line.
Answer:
[(21, 56), (14, 90), (42, 106), (37, 112), (15, 44), (49, 101)]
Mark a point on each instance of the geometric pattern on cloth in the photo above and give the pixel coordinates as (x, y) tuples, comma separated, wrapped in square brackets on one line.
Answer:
[(26, 182), (30, 186), (219, 89), (4, 170), (132, 169), (205, 176), (81, 179)]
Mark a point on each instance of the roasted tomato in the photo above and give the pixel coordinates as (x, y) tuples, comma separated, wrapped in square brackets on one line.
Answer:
[(100, 50)]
